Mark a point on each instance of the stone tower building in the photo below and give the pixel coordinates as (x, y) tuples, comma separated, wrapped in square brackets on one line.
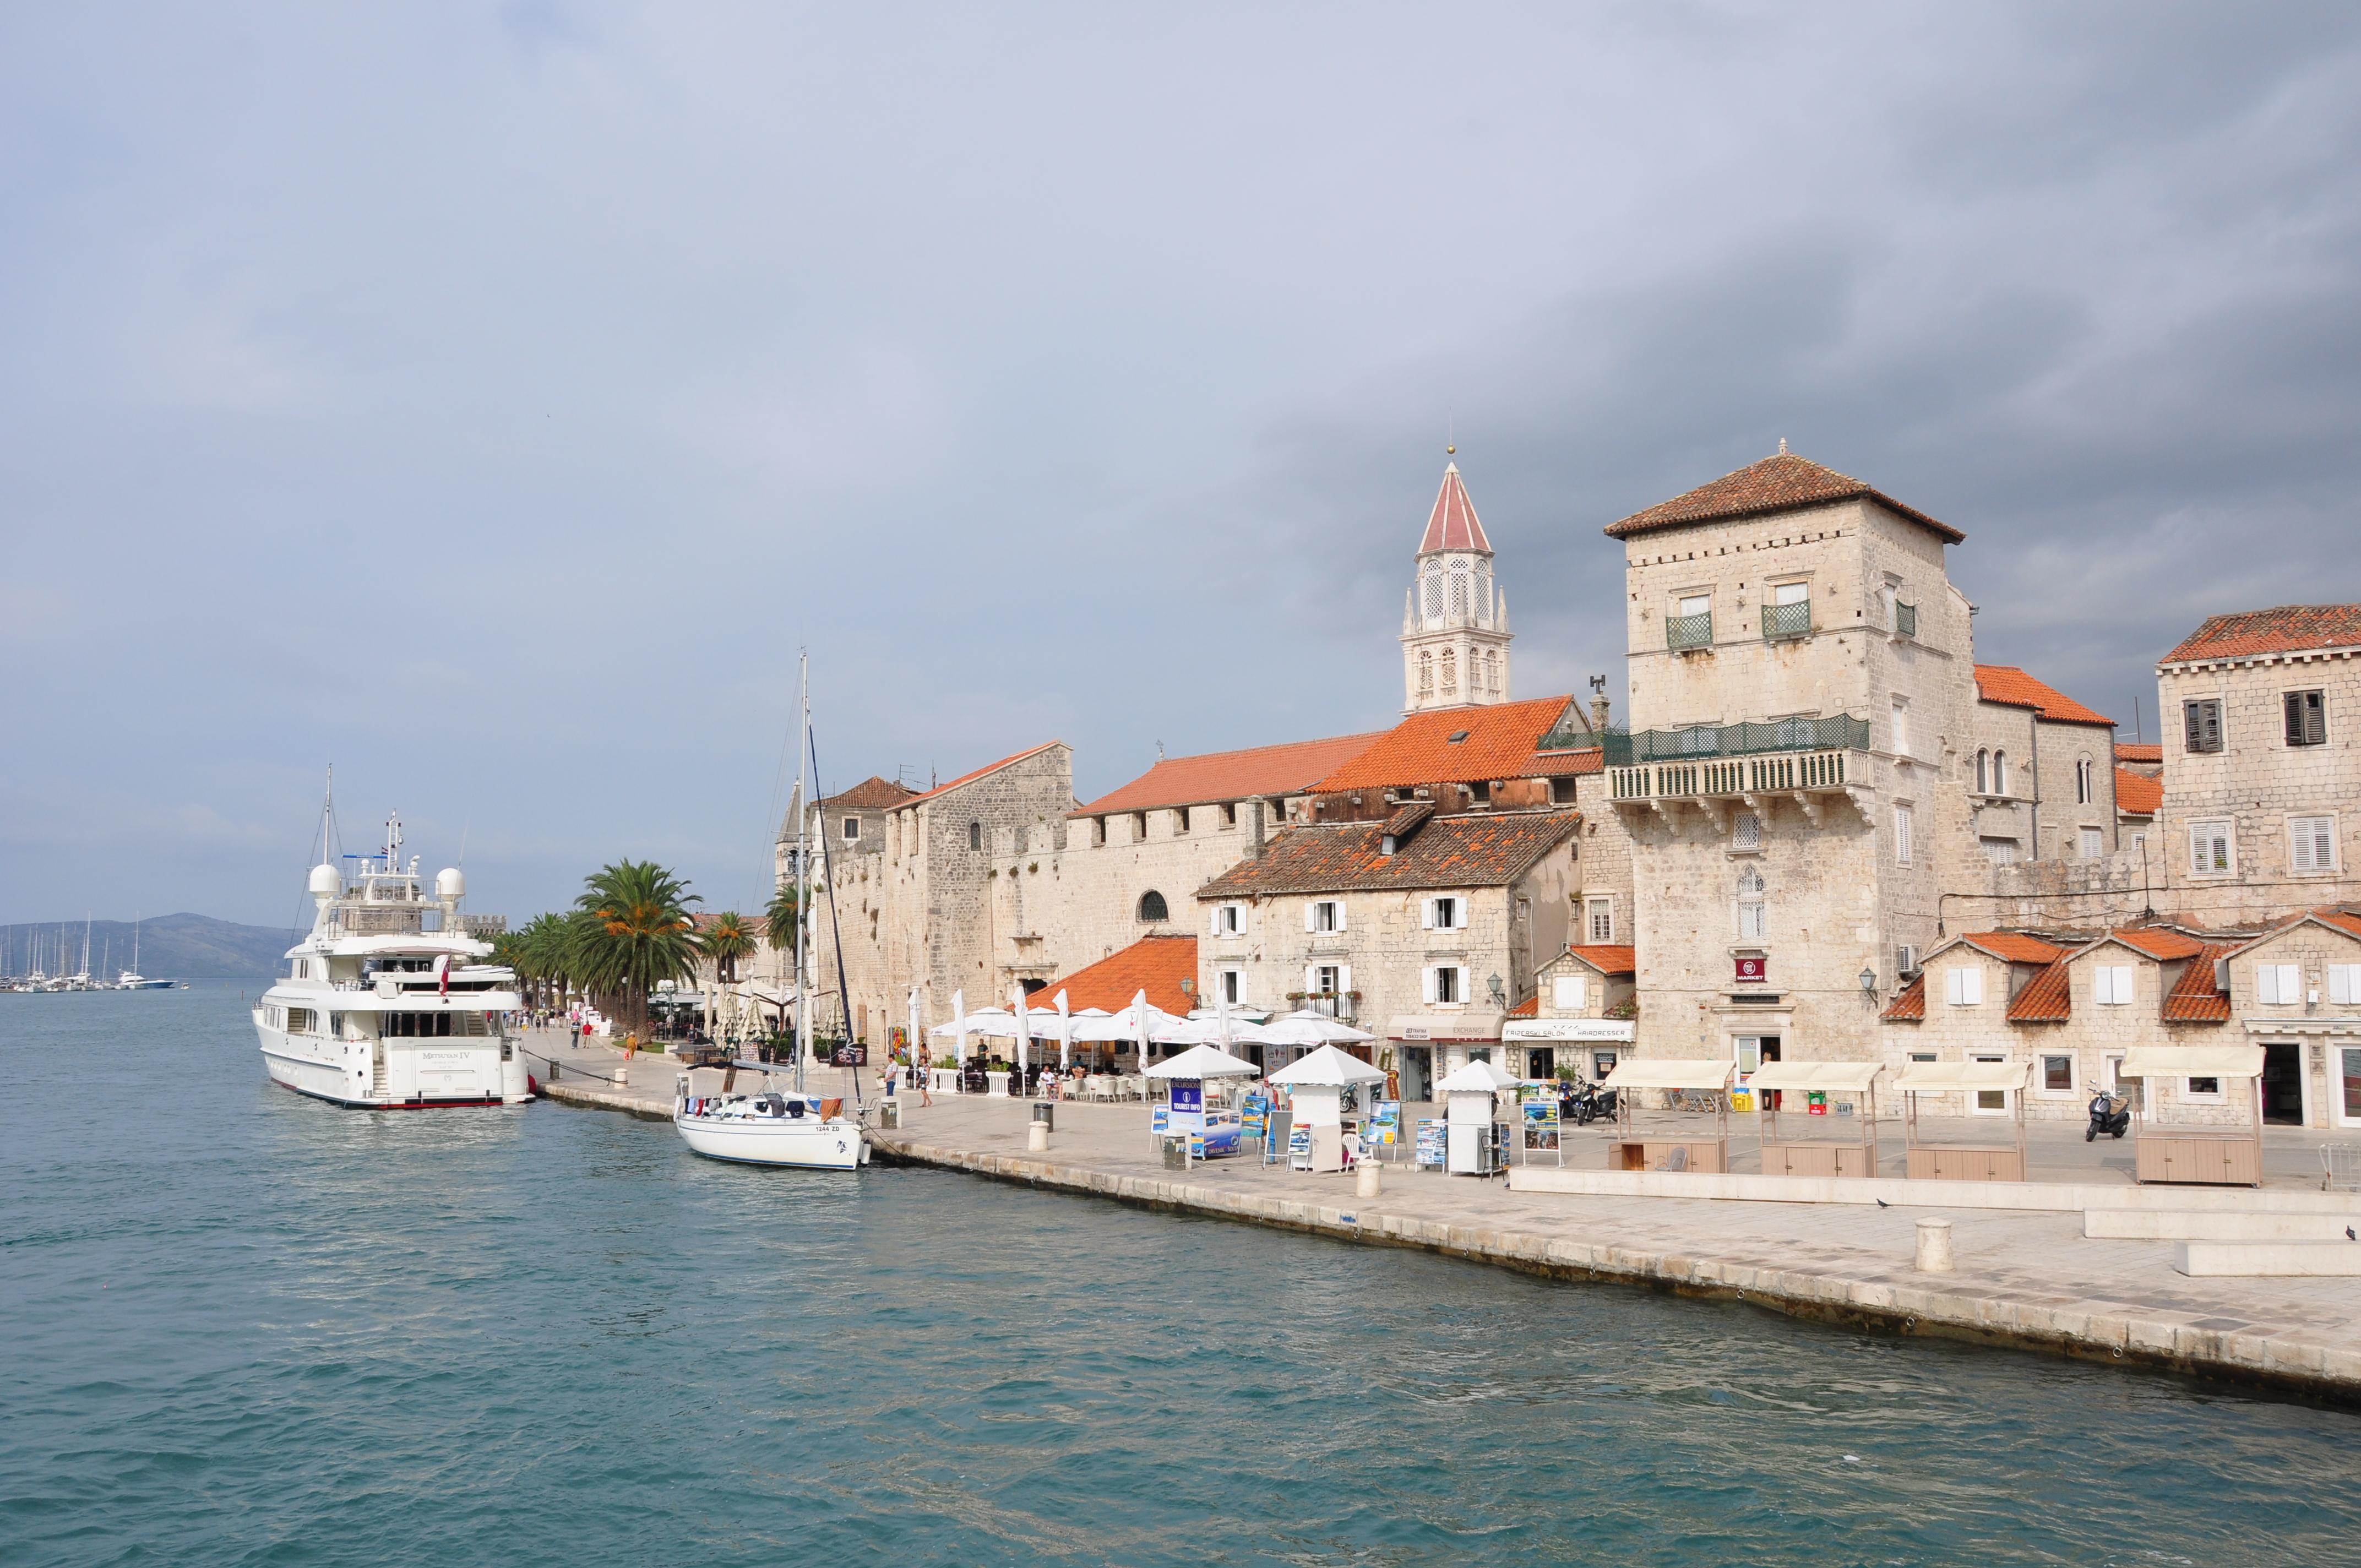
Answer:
[(1454, 631)]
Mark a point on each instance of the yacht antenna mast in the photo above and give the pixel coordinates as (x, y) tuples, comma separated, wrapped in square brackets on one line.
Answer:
[(803, 875)]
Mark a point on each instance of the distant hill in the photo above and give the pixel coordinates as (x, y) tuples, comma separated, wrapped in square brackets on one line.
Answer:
[(171, 947)]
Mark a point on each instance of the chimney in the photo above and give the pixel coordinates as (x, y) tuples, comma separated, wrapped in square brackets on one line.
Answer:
[(1598, 714), (1254, 829)]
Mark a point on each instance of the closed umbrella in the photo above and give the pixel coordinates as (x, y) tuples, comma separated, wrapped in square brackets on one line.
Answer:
[(959, 1030), (1065, 1033), (1023, 1030)]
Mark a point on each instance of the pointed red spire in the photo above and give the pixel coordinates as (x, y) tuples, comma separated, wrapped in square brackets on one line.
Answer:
[(1453, 525)]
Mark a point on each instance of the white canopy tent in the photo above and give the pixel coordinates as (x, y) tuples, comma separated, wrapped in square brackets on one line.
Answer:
[(1783, 1156), (1673, 1151), (1477, 1076), (2190, 1152), (1326, 1067), (1963, 1162), (1202, 1062), (1671, 1072)]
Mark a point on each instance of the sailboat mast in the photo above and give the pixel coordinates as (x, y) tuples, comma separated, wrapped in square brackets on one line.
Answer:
[(836, 930), (803, 873)]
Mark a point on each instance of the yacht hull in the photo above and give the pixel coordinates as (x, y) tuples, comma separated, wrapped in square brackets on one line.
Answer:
[(800, 1145), (441, 1078)]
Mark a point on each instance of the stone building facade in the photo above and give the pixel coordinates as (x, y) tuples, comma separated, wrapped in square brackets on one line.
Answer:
[(1579, 1017)]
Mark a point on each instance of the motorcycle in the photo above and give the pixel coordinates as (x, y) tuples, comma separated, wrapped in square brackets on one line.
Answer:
[(2110, 1114), (1590, 1104)]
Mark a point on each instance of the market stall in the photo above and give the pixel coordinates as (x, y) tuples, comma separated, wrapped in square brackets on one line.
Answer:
[(1983, 1160), (1818, 1082), (2221, 1156), (1184, 1115), (1633, 1150), (1316, 1086), (1475, 1144)]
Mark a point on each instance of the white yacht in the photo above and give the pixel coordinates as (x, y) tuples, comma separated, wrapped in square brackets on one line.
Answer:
[(378, 1010), (801, 1131)]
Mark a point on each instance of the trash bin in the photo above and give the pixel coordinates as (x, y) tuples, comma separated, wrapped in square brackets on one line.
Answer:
[(889, 1116), (1176, 1153), (1046, 1113)]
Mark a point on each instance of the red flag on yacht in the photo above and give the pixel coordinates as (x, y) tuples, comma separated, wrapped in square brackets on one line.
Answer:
[(443, 975)]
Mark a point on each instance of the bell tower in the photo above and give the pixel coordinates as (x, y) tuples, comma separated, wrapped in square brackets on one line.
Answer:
[(1455, 632)]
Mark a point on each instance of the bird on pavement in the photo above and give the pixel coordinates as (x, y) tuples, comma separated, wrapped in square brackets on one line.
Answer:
[(1883, 1204)]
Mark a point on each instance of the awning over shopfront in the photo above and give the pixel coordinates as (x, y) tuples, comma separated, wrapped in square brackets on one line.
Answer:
[(1561, 1029), (2193, 1061), (1672, 1072), (1445, 1028)]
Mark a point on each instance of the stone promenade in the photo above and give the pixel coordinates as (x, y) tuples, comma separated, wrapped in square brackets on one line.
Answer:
[(2028, 1278)]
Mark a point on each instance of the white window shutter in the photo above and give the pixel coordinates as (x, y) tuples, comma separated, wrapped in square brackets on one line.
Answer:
[(1343, 976), (1426, 985), (1310, 977), (2290, 983), (2341, 986), (2267, 984), (1426, 922), (1311, 906)]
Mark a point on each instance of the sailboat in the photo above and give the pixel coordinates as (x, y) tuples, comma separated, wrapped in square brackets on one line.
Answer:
[(793, 1128), (131, 979)]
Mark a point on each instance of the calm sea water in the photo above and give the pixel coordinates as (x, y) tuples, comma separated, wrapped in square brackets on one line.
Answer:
[(243, 1327)]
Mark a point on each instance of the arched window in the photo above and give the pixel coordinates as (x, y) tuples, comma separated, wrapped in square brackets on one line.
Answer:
[(1984, 770), (1451, 670), (2000, 773), (1152, 907), (1753, 917), (976, 835), (1434, 594), (1425, 673), (2082, 781), (1483, 593), (1459, 588), (1492, 673)]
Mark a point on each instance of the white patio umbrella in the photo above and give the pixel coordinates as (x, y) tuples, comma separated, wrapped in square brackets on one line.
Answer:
[(958, 1027), (1310, 1028), (1023, 1030), (1202, 1062), (1213, 1031), (915, 1037), (1065, 1033), (1140, 1025)]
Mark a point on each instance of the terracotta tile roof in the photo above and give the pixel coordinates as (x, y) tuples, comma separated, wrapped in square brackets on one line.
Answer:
[(1609, 957), (2289, 629), (1781, 482), (1909, 1003), (2159, 941), (1530, 1007), (2139, 752), (1449, 853), (2045, 999), (2012, 947), (872, 793), (1452, 525), (2008, 685), (1157, 963), (2137, 793), (1287, 769), (2192, 999), (757, 925), (968, 778), (1499, 742), (2343, 920), (1406, 820), (1564, 765)]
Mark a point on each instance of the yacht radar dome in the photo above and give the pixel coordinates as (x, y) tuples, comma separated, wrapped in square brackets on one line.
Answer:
[(326, 882), (450, 882)]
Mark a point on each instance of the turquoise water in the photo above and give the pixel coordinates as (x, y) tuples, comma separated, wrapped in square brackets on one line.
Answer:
[(244, 1327)]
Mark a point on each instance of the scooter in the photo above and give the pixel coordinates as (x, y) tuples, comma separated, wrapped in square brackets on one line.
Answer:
[(2110, 1114)]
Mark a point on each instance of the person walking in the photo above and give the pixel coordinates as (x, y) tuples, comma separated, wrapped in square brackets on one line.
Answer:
[(926, 1075)]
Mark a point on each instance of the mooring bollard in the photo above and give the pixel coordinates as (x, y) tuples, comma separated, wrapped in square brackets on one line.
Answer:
[(1365, 1179), (1037, 1136), (1934, 1246), (622, 1075)]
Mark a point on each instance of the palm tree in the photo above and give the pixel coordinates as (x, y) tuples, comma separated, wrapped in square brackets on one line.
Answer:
[(631, 929), (725, 939), (539, 957), (782, 918)]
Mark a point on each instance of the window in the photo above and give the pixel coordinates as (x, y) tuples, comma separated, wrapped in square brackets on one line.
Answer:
[(1601, 912), (1433, 589), (1754, 915), (1447, 984), (1229, 813), (1179, 821), (2057, 1074), (2345, 984), (1098, 831), (1445, 915), (2001, 851), (1964, 986), (301, 1021), (1990, 1102), (2084, 781), (1327, 979), (1789, 613), (1902, 825), (2209, 848), (2094, 844), (2307, 720), (1562, 792), (976, 835), (2203, 1088), (1902, 727), (2000, 773), (1983, 771), (1425, 673), (1450, 671), (1746, 831), (1139, 828), (853, 829), (1234, 986), (2278, 985), (2111, 985), (1691, 623), (1492, 673), (1323, 915), (1152, 907), (2311, 843), (1229, 919), (2201, 725), (1459, 587), (1570, 993)]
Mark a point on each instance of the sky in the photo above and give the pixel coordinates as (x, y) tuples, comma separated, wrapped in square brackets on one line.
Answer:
[(492, 400)]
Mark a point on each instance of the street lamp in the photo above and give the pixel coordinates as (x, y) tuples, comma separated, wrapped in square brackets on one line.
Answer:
[(1869, 984)]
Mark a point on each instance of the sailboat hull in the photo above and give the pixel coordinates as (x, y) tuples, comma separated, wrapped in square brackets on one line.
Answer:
[(804, 1144)]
